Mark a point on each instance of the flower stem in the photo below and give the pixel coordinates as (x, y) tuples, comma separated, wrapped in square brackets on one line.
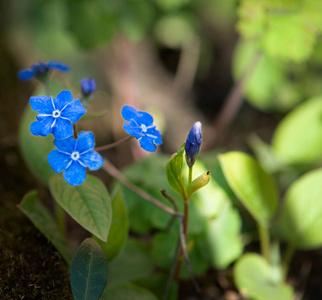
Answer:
[(264, 241), (288, 254), (115, 144), (185, 227), (60, 218)]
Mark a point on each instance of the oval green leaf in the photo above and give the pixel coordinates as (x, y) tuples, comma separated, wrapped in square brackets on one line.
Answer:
[(88, 204), (127, 291), (298, 138), (118, 233), (40, 216), (254, 278), (252, 185), (35, 149), (88, 273), (174, 171), (300, 220)]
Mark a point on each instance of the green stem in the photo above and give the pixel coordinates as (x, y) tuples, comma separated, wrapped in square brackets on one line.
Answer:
[(264, 241), (288, 254), (190, 175), (60, 218)]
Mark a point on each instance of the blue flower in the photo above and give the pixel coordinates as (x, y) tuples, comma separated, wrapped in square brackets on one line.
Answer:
[(56, 115), (41, 69), (74, 156), (193, 144), (141, 127), (88, 86)]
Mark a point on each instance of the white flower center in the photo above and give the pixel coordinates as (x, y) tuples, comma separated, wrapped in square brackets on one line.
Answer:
[(143, 127), (56, 113), (75, 155)]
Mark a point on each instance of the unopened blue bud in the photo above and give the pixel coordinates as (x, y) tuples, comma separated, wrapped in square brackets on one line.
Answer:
[(193, 144), (88, 86)]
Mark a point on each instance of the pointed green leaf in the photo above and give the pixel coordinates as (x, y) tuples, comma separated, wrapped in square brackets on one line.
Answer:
[(126, 291), (118, 233), (298, 138), (88, 204), (88, 272), (174, 171), (40, 216), (255, 279), (252, 185), (300, 220)]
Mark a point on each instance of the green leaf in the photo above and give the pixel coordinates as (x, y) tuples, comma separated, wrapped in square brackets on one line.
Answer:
[(169, 5), (88, 204), (88, 272), (268, 87), (298, 138), (35, 149), (254, 278), (300, 221), (118, 233), (40, 216), (289, 36), (135, 262), (223, 235), (126, 291), (174, 171), (252, 185)]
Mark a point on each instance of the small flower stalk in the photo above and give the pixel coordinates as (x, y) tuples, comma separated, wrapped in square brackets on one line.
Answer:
[(193, 144)]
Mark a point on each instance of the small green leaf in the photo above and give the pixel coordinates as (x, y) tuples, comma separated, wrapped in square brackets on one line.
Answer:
[(126, 291), (118, 233), (40, 216), (88, 204), (174, 172), (88, 272), (198, 183), (300, 221), (254, 278), (298, 138), (252, 185), (35, 149)]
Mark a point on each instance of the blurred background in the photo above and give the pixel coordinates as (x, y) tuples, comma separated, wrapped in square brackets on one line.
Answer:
[(237, 66)]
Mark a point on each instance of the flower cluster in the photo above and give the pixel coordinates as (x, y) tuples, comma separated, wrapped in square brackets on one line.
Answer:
[(41, 69), (73, 156), (141, 127)]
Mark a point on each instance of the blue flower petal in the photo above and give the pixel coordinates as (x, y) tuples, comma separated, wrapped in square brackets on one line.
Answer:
[(129, 112), (42, 126), (132, 129), (88, 86), (62, 99), (144, 118), (25, 74), (41, 103), (74, 111), (67, 145), (62, 129), (58, 66), (85, 142), (58, 161), (75, 174), (147, 144), (92, 160), (155, 135)]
